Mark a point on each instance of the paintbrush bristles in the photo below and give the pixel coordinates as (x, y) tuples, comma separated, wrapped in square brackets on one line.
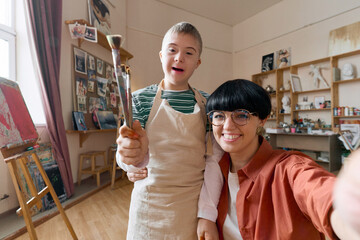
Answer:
[(114, 41)]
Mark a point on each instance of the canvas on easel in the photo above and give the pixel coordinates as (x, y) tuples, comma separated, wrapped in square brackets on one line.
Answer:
[(17, 134), (17, 129)]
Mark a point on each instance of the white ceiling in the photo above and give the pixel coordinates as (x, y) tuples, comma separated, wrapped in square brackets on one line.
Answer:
[(230, 12)]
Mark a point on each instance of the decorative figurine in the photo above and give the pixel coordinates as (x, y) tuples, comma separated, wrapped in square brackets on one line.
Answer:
[(269, 89), (286, 104), (315, 72), (347, 72)]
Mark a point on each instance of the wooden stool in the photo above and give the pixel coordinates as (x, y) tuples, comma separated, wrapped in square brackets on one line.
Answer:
[(112, 162), (25, 206), (93, 169)]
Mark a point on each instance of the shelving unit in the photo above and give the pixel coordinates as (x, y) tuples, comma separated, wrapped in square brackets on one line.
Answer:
[(278, 79), (340, 93)]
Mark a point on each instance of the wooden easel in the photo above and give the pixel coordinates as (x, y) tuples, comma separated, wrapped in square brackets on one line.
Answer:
[(17, 162), (13, 149)]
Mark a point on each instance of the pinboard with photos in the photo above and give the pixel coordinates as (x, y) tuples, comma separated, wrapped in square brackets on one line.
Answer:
[(94, 88)]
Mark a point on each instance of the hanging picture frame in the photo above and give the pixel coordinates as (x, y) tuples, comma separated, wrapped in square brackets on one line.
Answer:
[(267, 62), (282, 58), (80, 58), (99, 15)]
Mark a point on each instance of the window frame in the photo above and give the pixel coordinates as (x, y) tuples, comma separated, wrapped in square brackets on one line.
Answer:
[(8, 34)]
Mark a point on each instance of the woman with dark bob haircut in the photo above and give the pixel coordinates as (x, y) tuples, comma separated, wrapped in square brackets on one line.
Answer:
[(243, 94), (267, 193)]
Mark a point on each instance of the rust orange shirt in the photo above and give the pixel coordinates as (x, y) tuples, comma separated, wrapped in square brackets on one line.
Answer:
[(283, 195)]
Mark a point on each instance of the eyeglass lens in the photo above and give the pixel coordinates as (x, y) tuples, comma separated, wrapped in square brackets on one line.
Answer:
[(240, 117)]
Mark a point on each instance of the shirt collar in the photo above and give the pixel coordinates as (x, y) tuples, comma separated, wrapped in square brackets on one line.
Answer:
[(261, 157)]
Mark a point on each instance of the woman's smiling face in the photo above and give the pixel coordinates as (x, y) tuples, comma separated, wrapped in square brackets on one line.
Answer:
[(237, 139)]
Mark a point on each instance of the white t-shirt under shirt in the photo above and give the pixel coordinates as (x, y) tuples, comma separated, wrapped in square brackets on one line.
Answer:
[(231, 227)]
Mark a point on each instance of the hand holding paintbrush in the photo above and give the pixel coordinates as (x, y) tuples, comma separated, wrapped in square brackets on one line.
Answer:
[(135, 137), (123, 83)]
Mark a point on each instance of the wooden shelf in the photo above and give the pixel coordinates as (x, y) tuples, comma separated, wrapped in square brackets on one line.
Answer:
[(354, 116), (83, 135), (272, 94), (313, 91), (265, 73), (284, 91), (347, 81), (102, 41), (312, 110)]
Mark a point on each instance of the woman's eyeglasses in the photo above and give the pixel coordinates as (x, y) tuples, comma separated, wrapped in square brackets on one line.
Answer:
[(239, 117)]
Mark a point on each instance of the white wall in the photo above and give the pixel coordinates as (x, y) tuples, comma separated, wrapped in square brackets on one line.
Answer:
[(302, 25), (147, 22)]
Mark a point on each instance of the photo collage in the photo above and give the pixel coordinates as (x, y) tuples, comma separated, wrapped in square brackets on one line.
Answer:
[(95, 87)]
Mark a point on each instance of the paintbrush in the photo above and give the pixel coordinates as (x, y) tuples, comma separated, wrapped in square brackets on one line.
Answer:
[(123, 81)]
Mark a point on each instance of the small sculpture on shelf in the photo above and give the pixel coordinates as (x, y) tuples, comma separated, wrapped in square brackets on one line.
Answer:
[(305, 105), (285, 126), (347, 72), (270, 89), (315, 72), (273, 113), (286, 104)]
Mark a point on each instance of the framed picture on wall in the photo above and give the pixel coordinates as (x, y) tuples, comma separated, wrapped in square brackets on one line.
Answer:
[(80, 60), (295, 83), (100, 66), (91, 62), (99, 15), (267, 62), (283, 58), (318, 101)]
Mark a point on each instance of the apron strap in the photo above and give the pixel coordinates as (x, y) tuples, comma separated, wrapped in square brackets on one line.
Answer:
[(201, 101), (156, 103)]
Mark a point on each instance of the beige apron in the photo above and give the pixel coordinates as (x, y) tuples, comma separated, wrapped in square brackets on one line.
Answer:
[(164, 205)]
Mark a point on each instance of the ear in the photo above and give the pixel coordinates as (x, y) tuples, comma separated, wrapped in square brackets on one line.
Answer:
[(160, 55), (198, 63), (262, 122)]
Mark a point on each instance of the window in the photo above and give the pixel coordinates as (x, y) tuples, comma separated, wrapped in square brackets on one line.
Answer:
[(7, 39)]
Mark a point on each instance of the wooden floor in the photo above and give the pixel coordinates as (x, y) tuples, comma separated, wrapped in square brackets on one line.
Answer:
[(103, 215)]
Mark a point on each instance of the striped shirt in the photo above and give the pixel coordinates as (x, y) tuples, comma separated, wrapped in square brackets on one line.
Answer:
[(181, 101)]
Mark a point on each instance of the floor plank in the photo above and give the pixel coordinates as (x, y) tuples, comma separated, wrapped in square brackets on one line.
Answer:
[(104, 215)]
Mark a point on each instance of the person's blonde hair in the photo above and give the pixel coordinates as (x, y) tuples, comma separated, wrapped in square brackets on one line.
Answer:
[(185, 28)]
